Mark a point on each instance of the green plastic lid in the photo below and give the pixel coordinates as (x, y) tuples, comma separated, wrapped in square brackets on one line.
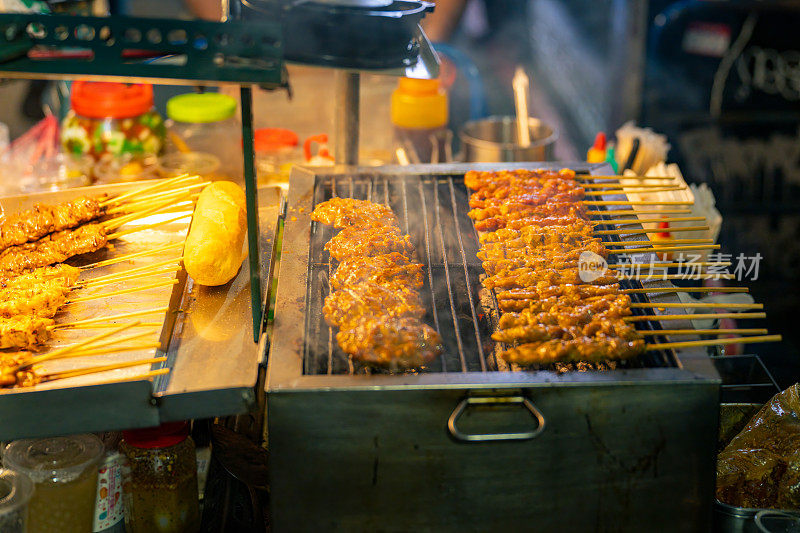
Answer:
[(205, 107)]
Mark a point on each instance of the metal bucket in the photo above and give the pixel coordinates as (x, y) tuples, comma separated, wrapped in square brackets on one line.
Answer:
[(494, 140), (730, 519)]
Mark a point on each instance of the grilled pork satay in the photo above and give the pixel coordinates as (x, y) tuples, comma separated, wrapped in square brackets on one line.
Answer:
[(348, 212), (53, 248), (41, 220), (23, 331), (41, 300), (361, 242), (374, 302), (386, 269), (68, 275), (592, 349)]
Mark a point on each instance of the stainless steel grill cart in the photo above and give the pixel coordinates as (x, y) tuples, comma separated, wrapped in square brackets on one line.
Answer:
[(468, 444)]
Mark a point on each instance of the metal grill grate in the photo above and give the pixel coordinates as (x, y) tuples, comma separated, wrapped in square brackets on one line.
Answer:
[(433, 211)]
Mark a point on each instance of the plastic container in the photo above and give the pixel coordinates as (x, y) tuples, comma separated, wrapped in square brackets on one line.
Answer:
[(112, 118), (126, 168), (419, 115), (16, 490), (276, 150), (206, 123), (160, 490), (64, 473)]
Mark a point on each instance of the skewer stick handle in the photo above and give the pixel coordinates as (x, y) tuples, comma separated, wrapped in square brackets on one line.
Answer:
[(113, 317), (156, 186), (139, 377), (714, 342), (637, 202), (636, 212), (617, 185), (121, 258), (122, 291), (118, 349), (640, 266), (660, 242), (686, 289), (119, 234), (697, 316), (647, 231), (632, 191), (698, 305), (732, 331), (618, 178), (628, 222), (664, 249), (64, 374), (86, 342), (132, 272)]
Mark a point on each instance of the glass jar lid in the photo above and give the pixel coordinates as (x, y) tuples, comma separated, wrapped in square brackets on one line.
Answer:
[(56, 459), (15, 491), (201, 108), (99, 99)]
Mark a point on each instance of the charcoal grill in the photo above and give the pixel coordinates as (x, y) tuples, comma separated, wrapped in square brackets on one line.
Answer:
[(469, 443)]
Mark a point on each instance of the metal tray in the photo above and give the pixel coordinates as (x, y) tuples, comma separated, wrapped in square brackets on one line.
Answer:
[(206, 335)]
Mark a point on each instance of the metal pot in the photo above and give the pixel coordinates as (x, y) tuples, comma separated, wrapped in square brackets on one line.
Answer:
[(730, 519), (494, 140)]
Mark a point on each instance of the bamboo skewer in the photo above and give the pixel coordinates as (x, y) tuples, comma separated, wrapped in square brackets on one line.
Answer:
[(72, 347), (686, 289), (693, 316), (612, 185), (628, 222), (731, 331), (636, 212), (659, 242), (116, 222), (139, 377), (130, 277), (119, 234), (148, 200), (714, 342), (611, 192), (150, 188), (64, 374), (106, 319), (695, 305), (121, 258), (693, 276), (618, 178), (122, 291), (112, 278), (118, 349), (112, 342), (665, 249), (646, 231), (102, 325), (637, 202), (668, 265)]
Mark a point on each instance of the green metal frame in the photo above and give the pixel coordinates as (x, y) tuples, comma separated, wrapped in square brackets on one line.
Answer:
[(65, 46)]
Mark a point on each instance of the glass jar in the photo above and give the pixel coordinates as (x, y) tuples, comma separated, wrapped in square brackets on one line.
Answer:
[(64, 473), (206, 123), (15, 493), (112, 118), (160, 487), (276, 149)]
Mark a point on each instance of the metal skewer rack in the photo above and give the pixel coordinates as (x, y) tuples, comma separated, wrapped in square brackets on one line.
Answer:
[(244, 50)]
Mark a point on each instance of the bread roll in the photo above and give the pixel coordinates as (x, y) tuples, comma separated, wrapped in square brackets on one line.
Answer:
[(214, 248)]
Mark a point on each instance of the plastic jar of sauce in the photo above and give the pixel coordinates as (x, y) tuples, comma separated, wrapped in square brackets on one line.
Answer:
[(206, 123), (112, 119), (160, 480), (15, 493), (64, 473)]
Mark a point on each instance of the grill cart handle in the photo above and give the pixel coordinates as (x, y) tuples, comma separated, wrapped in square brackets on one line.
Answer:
[(492, 437)]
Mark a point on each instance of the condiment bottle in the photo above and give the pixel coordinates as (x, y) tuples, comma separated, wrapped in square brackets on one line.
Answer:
[(112, 119), (419, 114), (206, 123), (276, 150), (15, 493), (109, 510), (160, 490), (64, 473)]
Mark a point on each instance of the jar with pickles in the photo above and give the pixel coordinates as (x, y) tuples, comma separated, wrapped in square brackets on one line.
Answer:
[(112, 119), (160, 480), (64, 473)]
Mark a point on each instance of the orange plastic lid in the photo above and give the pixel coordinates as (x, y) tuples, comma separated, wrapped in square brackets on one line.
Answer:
[(271, 139), (95, 99)]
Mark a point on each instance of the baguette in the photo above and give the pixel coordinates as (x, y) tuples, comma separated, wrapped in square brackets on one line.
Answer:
[(215, 244)]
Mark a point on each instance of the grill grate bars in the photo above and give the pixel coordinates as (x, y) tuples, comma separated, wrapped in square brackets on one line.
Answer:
[(433, 211)]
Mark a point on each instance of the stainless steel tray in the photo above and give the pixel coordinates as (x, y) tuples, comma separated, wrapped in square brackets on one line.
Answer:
[(206, 335)]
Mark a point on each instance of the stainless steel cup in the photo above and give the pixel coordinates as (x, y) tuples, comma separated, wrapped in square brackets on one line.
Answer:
[(494, 140)]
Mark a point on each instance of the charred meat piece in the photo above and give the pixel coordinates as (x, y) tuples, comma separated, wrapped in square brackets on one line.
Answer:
[(367, 242), (394, 343), (387, 269), (348, 212), (352, 303)]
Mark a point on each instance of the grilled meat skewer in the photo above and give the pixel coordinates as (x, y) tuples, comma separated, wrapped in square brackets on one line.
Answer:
[(41, 220), (53, 248)]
